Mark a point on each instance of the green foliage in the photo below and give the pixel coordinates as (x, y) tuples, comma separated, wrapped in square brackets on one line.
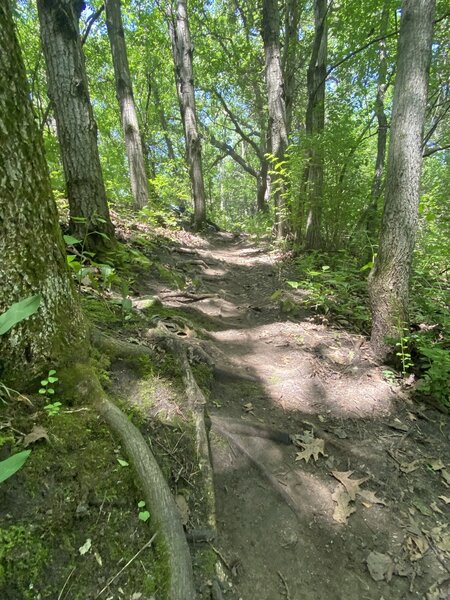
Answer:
[(143, 515), (12, 464), (47, 390), (334, 286), (18, 312)]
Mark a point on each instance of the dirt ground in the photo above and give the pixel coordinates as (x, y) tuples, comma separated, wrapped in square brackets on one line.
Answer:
[(330, 483)]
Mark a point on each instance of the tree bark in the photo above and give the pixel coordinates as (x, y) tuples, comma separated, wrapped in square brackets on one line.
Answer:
[(124, 91), (32, 252), (290, 54), (162, 116), (277, 106), (184, 79), (77, 130), (389, 279), (377, 183), (314, 126)]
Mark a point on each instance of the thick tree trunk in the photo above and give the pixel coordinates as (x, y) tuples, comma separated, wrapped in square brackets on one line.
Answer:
[(314, 125), (184, 78), (377, 183), (276, 99), (124, 91), (77, 130), (31, 247), (389, 280)]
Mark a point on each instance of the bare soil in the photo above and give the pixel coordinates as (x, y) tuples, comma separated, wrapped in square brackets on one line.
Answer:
[(292, 521)]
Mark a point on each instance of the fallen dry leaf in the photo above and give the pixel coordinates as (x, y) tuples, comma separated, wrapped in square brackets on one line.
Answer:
[(445, 476), (410, 467), (351, 485), (436, 508), (37, 433), (380, 566), (416, 546), (370, 497), (436, 464), (183, 508), (445, 499), (343, 507), (314, 448)]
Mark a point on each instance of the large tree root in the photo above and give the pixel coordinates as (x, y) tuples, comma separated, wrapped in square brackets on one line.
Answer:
[(159, 501)]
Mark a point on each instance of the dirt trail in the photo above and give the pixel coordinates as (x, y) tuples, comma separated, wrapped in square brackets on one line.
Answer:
[(288, 528)]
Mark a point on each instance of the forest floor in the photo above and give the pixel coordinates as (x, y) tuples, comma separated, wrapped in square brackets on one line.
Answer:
[(330, 482), (357, 507)]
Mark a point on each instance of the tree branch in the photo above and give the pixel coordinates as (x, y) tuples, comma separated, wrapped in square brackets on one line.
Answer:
[(90, 22), (432, 151), (233, 154)]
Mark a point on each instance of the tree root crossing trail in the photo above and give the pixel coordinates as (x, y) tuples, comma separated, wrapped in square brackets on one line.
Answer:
[(320, 464)]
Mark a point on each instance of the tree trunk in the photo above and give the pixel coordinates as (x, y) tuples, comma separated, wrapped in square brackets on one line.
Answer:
[(184, 79), (124, 91), (290, 54), (277, 107), (314, 125), (33, 260), (261, 203), (77, 130), (389, 279), (377, 184)]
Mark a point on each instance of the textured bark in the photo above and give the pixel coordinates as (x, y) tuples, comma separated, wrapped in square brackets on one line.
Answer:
[(377, 183), (276, 99), (290, 56), (31, 248), (389, 280), (184, 79), (77, 130), (128, 113), (314, 125)]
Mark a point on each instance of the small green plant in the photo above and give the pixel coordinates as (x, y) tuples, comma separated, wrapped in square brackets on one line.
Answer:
[(389, 376), (403, 353), (47, 390), (144, 515)]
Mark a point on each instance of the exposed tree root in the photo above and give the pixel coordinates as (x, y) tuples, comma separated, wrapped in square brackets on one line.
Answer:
[(279, 489), (158, 498)]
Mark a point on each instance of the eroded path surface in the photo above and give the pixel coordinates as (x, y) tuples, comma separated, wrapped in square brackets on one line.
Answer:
[(358, 509)]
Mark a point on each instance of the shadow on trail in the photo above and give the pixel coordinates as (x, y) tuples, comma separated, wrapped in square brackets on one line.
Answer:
[(285, 528)]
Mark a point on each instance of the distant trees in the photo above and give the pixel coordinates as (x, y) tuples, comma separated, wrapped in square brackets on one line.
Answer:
[(31, 246), (77, 129), (124, 91), (389, 280)]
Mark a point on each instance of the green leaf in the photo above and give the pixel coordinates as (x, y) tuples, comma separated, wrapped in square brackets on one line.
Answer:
[(144, 516), (368, 265), (50, 391), (70, 240), (52, 379), (44, 382), (18, 312), (141, 504), (123, 463), (52, 372), (12, 464), (293, 284), (42, 391)]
